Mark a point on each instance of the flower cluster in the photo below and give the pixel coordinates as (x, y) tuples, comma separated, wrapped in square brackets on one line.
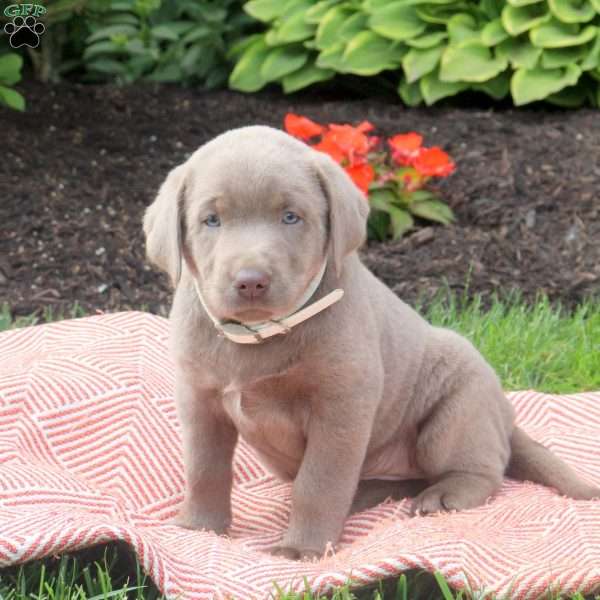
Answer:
[(409, 164)]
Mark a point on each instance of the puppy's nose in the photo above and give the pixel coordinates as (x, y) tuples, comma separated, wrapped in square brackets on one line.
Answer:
[(251, 283)]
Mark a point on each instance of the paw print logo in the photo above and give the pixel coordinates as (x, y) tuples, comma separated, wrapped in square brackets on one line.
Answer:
[(24, 31)]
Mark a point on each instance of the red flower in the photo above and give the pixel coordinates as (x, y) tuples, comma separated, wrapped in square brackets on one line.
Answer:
[(351, 140), (433, 162), (302, 127), (365, 126), (405, 147), (362, 175), (328, 145)]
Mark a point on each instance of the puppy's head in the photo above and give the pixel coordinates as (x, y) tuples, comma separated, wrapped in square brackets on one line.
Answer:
[(253, 214)]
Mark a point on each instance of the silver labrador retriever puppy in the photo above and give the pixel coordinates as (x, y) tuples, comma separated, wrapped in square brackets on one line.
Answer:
[(353, 398)]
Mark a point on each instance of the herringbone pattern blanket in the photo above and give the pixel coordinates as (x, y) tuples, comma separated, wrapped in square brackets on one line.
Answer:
[(90, 452)]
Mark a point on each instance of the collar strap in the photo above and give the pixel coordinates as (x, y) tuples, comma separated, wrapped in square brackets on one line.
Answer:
[(255, 333)]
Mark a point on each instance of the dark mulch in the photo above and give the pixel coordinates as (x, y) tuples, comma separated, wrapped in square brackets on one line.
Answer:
[(79, 167)]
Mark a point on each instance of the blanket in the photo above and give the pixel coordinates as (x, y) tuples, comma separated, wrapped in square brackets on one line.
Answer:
[(90, 451)]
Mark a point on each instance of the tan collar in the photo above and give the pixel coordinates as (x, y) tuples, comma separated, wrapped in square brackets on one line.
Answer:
[(255, 333)]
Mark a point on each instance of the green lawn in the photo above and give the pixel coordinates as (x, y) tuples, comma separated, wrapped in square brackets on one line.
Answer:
[(541, 346)]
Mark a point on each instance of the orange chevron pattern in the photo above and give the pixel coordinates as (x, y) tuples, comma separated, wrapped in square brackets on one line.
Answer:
[(90, 452)]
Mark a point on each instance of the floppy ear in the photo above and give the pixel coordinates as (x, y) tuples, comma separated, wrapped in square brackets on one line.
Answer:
[(163, 225), (348, 209)]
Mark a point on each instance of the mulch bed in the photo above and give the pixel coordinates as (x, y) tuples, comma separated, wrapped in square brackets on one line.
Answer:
[(79, 167)]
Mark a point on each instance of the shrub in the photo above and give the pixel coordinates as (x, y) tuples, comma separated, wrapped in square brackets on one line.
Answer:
[(530, 49), (172, 40), (393, 178)]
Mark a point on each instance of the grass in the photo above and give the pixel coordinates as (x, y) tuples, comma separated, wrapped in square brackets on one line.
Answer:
[(541, 346)]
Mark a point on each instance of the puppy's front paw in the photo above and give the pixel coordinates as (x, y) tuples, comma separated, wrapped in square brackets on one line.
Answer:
[(194, 519), (295, 554)]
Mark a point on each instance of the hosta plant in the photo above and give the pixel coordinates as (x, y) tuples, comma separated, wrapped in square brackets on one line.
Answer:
[(429, 49), (393, 173)]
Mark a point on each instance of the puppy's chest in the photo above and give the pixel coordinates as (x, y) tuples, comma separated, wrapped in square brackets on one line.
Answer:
[(270, 412)]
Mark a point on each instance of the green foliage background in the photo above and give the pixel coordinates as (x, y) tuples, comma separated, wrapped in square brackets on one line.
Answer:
[(530, 49)]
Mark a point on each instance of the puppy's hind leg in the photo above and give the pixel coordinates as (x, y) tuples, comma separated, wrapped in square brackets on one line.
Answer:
[(463, 447)]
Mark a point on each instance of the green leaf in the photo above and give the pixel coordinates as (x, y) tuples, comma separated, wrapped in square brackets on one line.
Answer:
[(401, 221), (471, 61), (519, 52), (199, 32), (246, 75), (378, 225), (315, 13), (352, 25), (372, 6), (417, 62), (12, 98), (327, 31), (433, 210), (191, 57), (283, 61), (368, 54), (112, 30), (592, 59), (397, 21), (439, 15), (167, 73), (434, 89), (10, 68), (103, 47), (462, 28), (410, 93), (107, 65), (493, 33), (382, 198), (518, 19), (497, 88), (562, 57), (165, 32), (571, 97), (492, 9), (523, 2), (332, 58), (304, 77), (555, 34), (239, 47), (529, 85), (428, 40), (264, 10), (293, 28), (419, 195), (572, 11)]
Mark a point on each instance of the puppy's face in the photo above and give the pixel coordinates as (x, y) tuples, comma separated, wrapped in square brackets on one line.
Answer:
[(255, 231), (253, 215)]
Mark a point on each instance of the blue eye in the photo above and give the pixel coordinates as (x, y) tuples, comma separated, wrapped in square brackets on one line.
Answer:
[(212, 221), (290, 218)]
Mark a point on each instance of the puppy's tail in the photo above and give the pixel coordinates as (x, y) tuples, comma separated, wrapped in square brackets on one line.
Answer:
[(530, 461)]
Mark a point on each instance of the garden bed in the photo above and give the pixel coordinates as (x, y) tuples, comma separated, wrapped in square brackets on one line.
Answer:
[(83, 162)]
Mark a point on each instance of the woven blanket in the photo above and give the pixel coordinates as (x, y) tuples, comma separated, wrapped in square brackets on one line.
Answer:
[(90, 452)]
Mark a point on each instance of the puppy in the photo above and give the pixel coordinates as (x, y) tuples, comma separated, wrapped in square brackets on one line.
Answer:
[(281, 336)]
